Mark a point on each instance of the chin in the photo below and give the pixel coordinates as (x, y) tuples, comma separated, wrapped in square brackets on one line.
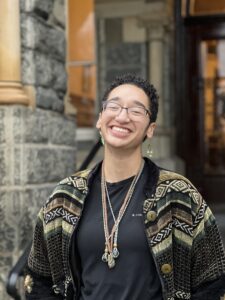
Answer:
[(122, 145)]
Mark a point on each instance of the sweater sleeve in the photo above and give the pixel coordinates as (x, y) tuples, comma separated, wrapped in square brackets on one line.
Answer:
[(208, 258), (38, 279)]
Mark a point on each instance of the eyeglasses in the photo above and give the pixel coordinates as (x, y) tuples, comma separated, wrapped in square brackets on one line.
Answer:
[(134, 112)]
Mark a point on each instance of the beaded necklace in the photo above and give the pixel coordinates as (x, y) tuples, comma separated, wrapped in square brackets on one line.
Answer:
[(111, 248)]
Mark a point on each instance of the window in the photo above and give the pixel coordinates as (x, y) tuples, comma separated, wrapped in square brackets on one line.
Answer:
[(81, 60)]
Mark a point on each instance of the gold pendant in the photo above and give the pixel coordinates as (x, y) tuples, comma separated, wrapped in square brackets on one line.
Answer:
[(111, 261)]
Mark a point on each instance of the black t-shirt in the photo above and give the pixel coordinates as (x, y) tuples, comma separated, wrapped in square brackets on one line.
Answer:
[(134, 276)]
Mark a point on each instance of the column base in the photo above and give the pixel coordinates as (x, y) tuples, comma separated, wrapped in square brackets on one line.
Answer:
[(12, 93)]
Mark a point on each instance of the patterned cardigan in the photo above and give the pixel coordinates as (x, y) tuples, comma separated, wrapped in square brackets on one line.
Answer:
[(181, 231)]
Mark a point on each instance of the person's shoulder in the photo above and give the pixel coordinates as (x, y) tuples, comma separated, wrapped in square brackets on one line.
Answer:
[(170, 181), (75, 179), (72, 188), (168, 176)]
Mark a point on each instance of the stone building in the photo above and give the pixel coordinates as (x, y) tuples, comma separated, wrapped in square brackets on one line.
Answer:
[(40, 141), (37, 140)]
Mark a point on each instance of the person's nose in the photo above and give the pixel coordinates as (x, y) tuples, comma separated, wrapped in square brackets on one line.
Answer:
[(123, 115)]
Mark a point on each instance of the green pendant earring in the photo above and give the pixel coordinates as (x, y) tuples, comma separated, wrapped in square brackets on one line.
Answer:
[(149, 151), (102, 139)]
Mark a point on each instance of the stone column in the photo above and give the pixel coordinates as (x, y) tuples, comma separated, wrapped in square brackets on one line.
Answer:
[(11, 91), (158, 26), (156, 60)]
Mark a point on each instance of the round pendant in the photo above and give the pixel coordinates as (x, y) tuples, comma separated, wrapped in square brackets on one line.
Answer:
[(115, 253), (105, 257)]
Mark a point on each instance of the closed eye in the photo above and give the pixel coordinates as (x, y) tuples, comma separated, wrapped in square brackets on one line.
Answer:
[(113, 106), (137, 110)]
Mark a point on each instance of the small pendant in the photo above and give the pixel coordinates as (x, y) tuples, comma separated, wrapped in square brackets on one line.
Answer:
[(115, 252), (111, 261), (105, 257), (105, 254)]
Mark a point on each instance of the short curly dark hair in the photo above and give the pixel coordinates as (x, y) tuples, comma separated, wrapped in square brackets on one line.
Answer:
[(141, 83)]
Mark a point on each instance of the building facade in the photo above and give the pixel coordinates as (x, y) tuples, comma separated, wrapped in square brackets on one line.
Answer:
[(175, 44)]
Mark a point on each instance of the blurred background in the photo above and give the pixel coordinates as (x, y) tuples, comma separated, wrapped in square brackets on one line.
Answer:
[(57, 57)]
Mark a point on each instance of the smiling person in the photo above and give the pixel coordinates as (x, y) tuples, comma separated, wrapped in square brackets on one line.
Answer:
[(126, 229)]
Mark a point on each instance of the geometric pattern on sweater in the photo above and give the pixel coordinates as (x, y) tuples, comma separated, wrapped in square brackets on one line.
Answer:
[(60, 212), (79, 180), (148, 204), (177, 185), (186, 228), (166, 185), (180, 295), (70, 194), (165, 232), (79, 183), (200, 215), (161, 235), (170, 181)]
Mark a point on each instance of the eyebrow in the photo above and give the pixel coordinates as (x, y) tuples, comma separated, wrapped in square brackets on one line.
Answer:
[(134, 101)]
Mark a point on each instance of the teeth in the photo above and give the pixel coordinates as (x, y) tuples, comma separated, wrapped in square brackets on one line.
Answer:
[(120, 129)]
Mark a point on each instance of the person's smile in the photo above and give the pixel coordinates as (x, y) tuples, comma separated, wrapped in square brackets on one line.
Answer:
[(119, 131)]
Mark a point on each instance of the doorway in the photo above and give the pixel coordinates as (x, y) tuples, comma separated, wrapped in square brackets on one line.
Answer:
[(203, 107)]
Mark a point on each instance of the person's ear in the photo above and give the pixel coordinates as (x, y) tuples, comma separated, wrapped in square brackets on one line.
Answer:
[(150, 130), (98, 124)]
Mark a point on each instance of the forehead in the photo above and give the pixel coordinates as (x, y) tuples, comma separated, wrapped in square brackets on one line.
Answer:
[(129, 94)]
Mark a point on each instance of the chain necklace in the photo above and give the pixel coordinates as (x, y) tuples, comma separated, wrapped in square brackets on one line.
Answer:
[(111, 250), (115, 251)]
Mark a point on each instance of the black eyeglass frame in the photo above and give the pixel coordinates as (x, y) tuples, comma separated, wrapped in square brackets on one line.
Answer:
[(147, 112)]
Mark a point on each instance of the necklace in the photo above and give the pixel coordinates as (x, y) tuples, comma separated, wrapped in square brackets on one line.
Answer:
[(115, 251), (111, 251)]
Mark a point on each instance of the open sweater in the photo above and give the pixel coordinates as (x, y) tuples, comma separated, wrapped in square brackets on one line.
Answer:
[(181, 230)]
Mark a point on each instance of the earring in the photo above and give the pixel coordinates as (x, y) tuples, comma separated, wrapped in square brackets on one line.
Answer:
[(102, 139), (149, 151)]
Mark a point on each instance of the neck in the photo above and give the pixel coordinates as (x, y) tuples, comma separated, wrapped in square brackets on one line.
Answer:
[(119, 166)]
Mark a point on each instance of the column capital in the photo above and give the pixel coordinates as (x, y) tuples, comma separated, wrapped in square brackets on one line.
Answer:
[(156, 26)]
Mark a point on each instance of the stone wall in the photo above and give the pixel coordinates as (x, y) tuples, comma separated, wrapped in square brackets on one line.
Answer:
[(37, 149), (43, 51), (37, 144)]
